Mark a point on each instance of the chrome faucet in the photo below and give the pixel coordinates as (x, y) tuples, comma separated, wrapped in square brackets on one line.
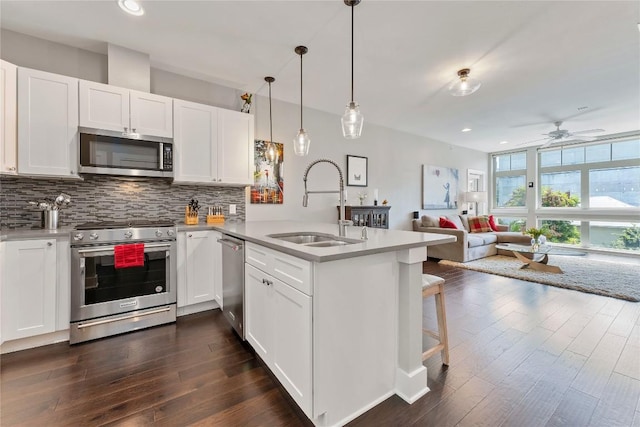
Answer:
[(342, 223)]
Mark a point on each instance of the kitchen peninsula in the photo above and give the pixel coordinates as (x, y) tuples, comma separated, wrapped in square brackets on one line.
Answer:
[(339, 326)]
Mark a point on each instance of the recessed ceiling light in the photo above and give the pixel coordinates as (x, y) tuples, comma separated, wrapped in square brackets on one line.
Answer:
[(638, 26), (466, 130), (131, 6), (504, 142)]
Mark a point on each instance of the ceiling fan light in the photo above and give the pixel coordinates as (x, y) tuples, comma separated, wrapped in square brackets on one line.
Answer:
[(352, 121), (464, 85), (132, 7), (301, 143)]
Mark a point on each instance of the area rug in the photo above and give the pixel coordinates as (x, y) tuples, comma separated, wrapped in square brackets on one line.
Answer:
[(617, 280)]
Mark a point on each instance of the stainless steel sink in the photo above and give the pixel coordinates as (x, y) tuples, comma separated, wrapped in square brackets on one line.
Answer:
[(317, 240)]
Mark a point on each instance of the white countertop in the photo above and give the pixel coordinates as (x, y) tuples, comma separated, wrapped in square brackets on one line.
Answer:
[(62, 233), (380, 240)]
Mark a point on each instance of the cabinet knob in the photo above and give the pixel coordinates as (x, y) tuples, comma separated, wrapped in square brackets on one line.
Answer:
[(126, 129), (49, 244), (133, 130), (190, 235), (12, 168)]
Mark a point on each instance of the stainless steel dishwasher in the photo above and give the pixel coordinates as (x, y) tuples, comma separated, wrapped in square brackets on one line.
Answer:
[(233, 282)]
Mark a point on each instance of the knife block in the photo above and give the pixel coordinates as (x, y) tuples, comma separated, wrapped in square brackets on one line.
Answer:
[(190, 216), (215, 219)]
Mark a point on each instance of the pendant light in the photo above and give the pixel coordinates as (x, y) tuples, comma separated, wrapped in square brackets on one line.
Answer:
[(352, 120), (302, 141), (464, 85), (271, 154)]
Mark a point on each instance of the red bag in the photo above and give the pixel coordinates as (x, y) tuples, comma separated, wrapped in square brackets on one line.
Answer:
[(131, 255)]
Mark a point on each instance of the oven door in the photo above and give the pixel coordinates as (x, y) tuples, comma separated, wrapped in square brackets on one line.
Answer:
[(99, 289)]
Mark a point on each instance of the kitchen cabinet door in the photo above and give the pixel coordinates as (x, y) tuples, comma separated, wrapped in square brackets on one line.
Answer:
[(291, 356), (199, 266), (235, 148), (151, 114), (258, 310), (217, 268), (47, 124), (103, 106), (118, 109), (279, 328), (8, 118), (195, 142), (28, 288)]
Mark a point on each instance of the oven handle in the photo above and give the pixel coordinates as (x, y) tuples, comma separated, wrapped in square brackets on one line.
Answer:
[(129, 316), (110, 248)]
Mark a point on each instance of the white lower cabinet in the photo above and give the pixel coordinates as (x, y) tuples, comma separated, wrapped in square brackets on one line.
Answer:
[(199, 267), (279, 327), (29, 288)]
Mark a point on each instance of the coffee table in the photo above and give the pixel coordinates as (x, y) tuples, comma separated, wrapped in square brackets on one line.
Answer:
[(538, 260)]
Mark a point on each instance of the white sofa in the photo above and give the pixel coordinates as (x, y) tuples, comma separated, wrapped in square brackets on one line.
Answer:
[(469, 246)]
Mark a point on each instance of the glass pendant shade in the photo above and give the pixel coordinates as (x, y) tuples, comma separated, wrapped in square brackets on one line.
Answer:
[(271, 154), (352, 121), (464, 85), (301, 143)]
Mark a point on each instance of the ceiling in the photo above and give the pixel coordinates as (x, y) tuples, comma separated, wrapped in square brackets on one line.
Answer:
[(539, 61)]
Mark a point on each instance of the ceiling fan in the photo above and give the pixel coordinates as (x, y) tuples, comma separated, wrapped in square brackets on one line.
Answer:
[(563, 135)]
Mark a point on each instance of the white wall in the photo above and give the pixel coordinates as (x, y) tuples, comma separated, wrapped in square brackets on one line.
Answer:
[(395, 164), (395, 158)]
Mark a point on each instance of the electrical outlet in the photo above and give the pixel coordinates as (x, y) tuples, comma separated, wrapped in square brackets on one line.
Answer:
[(232, 209)]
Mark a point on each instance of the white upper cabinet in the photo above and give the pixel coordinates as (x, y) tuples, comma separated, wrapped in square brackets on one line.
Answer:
[(8, 118), (195, 142), (212, 145), (118, 109), (235, 147), (47, 124), (104, 107), (151, 114)]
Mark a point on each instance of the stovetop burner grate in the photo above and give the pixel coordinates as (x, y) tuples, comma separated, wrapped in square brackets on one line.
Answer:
[(138, 223)]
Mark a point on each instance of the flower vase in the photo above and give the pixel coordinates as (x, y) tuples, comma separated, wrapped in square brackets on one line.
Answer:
[(534, 245)]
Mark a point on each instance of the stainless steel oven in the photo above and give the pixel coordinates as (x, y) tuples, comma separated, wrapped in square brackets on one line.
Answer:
[(107, 299)]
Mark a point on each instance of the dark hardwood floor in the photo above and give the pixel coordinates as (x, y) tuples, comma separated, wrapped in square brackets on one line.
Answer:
[(522, 354)]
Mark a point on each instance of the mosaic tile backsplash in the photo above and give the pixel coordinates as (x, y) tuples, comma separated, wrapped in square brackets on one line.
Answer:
[(103, 198)]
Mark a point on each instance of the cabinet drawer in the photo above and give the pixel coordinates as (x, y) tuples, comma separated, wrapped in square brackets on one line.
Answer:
[(293, 271)]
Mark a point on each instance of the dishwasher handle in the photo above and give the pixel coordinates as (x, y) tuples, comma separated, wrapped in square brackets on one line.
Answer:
[(236, 246)]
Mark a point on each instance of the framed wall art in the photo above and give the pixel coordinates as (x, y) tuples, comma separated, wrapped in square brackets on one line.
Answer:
[(357, 170), (439, 187), (268, 182)]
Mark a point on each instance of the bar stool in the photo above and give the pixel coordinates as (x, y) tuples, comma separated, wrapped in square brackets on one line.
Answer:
[(434, 285)]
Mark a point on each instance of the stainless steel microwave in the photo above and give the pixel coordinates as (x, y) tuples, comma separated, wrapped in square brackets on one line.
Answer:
[(115, 153)]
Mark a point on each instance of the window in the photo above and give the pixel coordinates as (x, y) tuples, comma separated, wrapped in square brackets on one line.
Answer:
[(562, 231), (510, 174), (588, 194), (515, 224), (614, 188), (560, 189), (615, 235)]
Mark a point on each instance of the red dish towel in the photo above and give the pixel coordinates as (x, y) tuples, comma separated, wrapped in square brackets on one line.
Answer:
[(129, 255)]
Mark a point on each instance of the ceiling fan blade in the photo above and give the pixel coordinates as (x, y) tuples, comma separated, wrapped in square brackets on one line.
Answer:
[(535, 140), (582, 132), (548, 143)]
